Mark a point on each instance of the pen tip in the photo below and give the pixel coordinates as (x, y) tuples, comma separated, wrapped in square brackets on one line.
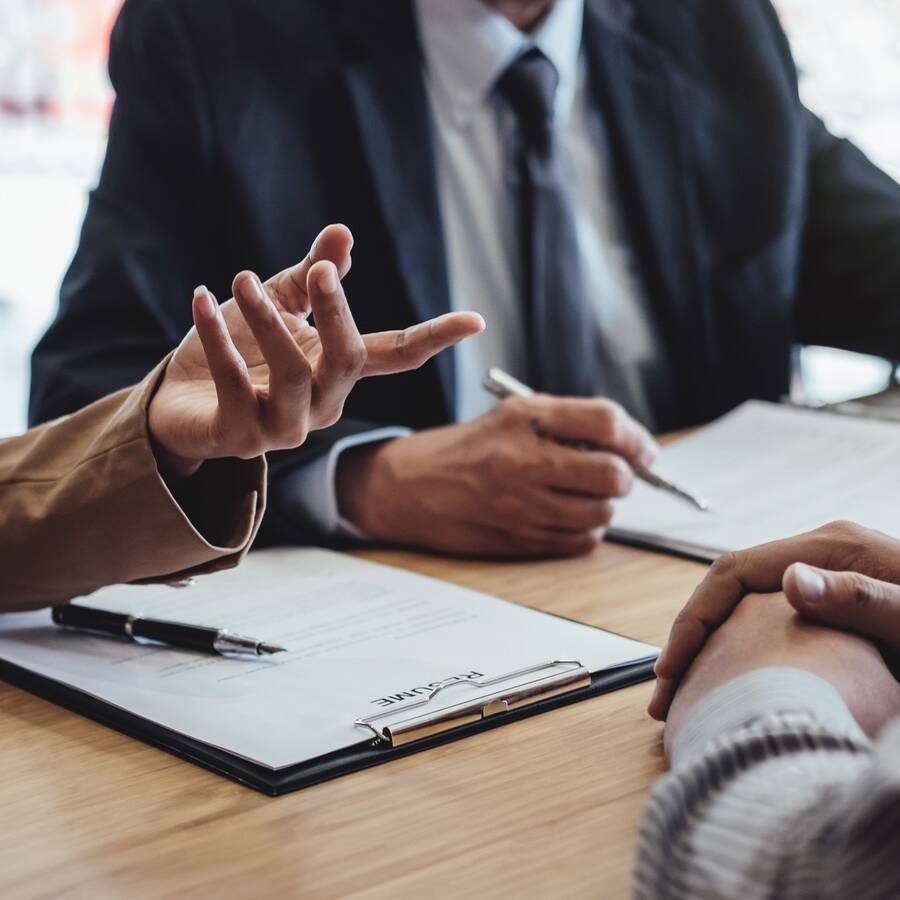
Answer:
[(271, 648)]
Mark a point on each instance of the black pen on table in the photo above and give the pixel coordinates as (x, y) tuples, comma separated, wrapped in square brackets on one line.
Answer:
[(175, 634), (501, 384)]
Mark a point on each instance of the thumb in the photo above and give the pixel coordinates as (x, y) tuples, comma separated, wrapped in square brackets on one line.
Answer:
[(401, 351), (846, 600)]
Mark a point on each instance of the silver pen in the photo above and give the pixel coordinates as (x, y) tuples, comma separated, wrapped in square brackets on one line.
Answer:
[(501, 384)]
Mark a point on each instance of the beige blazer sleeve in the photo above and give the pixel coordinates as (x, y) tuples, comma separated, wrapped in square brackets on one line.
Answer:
[(83, 505)]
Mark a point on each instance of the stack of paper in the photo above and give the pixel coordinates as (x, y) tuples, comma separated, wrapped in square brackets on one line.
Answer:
[(768, 472)]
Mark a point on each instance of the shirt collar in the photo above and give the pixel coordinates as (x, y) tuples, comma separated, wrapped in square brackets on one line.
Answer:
[(467, 45)]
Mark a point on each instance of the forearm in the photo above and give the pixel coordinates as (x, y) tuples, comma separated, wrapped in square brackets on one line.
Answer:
[(82, 504), (775, 803)]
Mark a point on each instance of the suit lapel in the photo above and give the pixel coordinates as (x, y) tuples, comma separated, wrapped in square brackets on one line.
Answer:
[(632, 81), (387, 92)]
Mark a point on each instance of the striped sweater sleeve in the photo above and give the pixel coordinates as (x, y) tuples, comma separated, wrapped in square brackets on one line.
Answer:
[(774, 792)]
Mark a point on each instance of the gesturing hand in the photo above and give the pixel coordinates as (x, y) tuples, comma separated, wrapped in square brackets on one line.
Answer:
[(254, 375), (859, 570)]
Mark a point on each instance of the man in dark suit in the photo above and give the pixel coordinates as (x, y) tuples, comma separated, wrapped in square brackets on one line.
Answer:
[(630, 191)]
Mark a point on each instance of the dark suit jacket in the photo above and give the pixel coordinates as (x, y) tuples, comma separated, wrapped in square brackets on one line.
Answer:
[(241, 127)]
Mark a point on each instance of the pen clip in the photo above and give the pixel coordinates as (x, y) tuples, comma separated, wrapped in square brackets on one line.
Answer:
[(411, 728)]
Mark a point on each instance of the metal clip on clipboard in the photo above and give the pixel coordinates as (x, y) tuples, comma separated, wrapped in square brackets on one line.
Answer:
[(412, 728)]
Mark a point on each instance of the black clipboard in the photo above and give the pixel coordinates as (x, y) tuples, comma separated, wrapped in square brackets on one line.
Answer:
[(323, 768)]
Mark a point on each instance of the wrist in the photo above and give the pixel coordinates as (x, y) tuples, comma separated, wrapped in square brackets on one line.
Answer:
[(171, 466), (362, 487)]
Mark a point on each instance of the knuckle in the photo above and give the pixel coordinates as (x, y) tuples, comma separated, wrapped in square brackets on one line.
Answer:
[(508, 507), (345, 367), (403, 345), (502, 462), (618, 477), (859, 590), (611, 420), (236, 378), (511, 410), (725, 565), (604, 514), (851, 547), (843, 529)]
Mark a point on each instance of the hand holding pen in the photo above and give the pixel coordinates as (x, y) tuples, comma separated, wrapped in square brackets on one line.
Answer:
[(512, 482), (503, 385)]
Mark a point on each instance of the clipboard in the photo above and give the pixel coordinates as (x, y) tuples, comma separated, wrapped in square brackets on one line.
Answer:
[(482, 704)]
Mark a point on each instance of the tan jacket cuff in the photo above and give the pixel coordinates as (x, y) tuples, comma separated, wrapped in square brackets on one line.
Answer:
[(207, 522), (84, 505)]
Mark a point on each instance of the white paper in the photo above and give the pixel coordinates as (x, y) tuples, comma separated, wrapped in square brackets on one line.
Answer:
[(357, 633), (769, 472)]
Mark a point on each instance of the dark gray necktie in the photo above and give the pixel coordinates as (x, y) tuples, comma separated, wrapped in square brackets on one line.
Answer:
[(561, 331)]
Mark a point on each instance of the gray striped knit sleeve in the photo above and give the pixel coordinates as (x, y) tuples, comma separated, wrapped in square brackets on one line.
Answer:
[(774, 792)]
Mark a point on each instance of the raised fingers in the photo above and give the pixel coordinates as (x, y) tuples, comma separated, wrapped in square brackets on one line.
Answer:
[(233, 388), (289, 371), (400, 351), (343, 351)]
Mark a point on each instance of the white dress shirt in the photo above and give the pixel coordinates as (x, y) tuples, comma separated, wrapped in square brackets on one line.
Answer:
[(467, 46)]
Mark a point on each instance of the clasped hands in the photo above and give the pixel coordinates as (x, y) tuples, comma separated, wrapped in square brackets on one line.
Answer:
[(827, 601), (254, 375)]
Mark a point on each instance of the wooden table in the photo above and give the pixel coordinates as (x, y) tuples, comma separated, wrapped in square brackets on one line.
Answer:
[(546, 807)]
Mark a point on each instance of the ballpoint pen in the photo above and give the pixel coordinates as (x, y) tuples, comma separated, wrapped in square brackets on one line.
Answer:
[(501, 384), (175, 634)]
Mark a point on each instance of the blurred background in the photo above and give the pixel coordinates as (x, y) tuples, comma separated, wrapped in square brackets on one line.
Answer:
[(54, 107)]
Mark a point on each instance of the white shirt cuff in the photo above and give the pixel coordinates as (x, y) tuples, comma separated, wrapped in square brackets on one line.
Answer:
[(310, 492), (776, 689)]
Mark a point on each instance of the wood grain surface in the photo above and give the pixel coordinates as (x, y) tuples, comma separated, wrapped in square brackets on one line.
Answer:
[(547, 807)]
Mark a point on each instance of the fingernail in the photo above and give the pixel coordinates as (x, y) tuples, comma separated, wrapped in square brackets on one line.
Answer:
[(205, 302), (327, 279), (810, 583), (660, 659)]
